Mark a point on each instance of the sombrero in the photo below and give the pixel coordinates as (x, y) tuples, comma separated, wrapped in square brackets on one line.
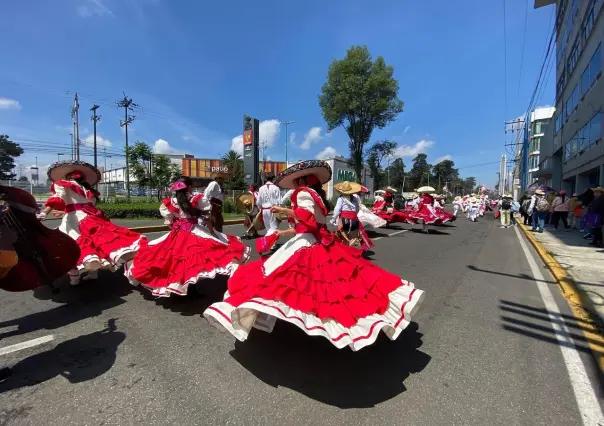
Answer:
[(245, 202), (348, 188), (539, 192), (59, 171), (379, 192), (426, 189), (507, 196), (318, 168), (390, 189)]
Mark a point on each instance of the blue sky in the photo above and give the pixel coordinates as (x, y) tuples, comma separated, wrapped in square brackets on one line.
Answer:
[(196, 67)]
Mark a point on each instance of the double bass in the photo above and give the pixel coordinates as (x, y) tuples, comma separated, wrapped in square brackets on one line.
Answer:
[(42, 255)]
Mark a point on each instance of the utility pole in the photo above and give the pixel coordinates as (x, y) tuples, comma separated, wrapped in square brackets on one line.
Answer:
[(76, 126), (128, 106), (72, 147), (286, 123), (95, 119), (516, 126)]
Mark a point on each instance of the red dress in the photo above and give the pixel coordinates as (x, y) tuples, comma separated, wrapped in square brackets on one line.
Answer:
[(188, 253), (102, 243), (425, 212), (385, 209), (318, 283), (443, 214)]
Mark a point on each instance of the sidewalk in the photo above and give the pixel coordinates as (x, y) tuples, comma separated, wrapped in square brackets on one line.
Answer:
[(584, 263)]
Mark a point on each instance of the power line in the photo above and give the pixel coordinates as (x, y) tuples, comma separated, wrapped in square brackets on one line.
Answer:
[(523, 45), (505, 63)]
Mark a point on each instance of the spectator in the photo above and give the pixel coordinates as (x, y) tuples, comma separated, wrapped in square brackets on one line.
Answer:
[(597, 208), (540, 207), (560, 208), (515, 209), (525, 205), (575, 211), (505, 207)]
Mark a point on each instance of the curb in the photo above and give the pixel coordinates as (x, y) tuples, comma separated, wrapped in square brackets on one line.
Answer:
[(580, 304), (162, 228)]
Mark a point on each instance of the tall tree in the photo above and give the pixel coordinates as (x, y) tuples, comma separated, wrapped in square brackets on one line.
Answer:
[(443, 172), (140, 158), (9, 150), (164, 172), (419, 172), (396, 174), (234, 162), (360, 95), (375, 157)]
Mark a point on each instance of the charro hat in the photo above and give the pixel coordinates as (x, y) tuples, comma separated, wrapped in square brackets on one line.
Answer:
[(348, 188), (245, 202), (318, 168), (59, 171), (426, 189)]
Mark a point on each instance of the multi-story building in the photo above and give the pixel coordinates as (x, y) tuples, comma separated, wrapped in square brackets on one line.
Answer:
[(540, 118), (571, 151)]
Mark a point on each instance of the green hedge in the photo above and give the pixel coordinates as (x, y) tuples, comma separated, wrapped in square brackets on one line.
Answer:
[(130, 210)]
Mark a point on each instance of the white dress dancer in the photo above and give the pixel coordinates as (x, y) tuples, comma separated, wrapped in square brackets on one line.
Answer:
[(473, 208), (456, 205), (368, 219)]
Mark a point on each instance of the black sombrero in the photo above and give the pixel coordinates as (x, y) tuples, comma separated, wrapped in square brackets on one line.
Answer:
[(319, 168), (59, 171)]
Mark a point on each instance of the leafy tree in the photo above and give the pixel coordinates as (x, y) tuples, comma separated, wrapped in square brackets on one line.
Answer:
[(140, 157), (234, 161), (9, 150), (443, 172), (164, 172), (360, 95), (375, 157), (396, 174), (419, 172)]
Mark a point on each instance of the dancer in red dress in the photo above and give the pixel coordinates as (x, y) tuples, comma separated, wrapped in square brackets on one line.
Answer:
[(103, 245), (384, 208), (439, 206), (314, 281), (190, 251), (424, 211)]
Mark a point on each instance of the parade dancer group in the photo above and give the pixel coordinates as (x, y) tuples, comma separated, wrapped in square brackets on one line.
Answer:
[(317, 280)]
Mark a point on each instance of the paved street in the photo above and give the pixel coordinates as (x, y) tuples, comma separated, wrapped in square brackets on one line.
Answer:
[(492, 345)]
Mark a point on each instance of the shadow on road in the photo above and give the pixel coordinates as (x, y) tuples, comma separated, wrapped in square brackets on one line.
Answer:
[(342, 378), (432, 231), (505, 274), (536, 323), (87, 300), (78, 360)]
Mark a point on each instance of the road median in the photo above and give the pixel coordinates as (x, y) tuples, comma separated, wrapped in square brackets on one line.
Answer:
[(580, 303)]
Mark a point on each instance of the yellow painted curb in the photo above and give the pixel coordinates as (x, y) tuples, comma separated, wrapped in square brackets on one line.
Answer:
[(580, 304), (162, 228)]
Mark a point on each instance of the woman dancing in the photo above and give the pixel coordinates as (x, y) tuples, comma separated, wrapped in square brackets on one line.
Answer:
[(314, 281), (103, 245), (190, 251)]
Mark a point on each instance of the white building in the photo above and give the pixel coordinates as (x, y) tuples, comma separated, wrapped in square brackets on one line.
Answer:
[(116, 177), (540, 118)]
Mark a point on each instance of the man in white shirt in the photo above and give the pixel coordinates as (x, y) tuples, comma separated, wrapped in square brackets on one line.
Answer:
[(269, 195), (214, 193)]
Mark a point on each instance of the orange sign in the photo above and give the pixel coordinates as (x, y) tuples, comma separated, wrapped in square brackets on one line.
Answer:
[(248, 137)]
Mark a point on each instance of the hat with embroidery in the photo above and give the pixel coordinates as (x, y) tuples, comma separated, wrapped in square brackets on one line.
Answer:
[(318, 169), (74, 169)]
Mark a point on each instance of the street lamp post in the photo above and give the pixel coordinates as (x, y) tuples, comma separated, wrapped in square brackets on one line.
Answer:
[(286, 123), (59, 156)]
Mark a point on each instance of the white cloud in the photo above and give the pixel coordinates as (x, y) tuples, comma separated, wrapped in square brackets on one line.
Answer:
[(163, 147), (93, 8), (443, 158), (312, 136), (328, 152), (100, 141), (186, 138), (6, 103), (292, 138), (413, 150), (269, 131), (407, 129), (269, 158)]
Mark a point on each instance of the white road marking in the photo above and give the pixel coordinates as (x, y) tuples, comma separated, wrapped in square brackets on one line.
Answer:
[(390, 235), (585, 396), (26, 345)]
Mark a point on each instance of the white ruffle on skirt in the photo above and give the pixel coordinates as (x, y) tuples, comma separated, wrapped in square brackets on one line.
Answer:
[(370, 220), (260, 313)]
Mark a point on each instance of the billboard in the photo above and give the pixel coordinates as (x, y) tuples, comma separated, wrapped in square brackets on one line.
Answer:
[(251, 166), (203, 167)]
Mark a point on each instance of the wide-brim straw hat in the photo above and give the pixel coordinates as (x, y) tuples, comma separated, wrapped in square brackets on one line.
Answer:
[(318, 168), (379, 192), (59, 171), (245, 202), (426, 189), (599, 189), (391, 189), (539, 192), (507, 196), (348, 188)]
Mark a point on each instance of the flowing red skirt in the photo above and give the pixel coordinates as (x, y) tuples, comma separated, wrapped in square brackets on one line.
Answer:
[(397, 216), (100, 237), (183, 258), (331, 282), (424, 215), (445, 215)]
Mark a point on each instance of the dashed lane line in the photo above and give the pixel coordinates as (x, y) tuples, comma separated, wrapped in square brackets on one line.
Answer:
[(391, 235), (25, 345)]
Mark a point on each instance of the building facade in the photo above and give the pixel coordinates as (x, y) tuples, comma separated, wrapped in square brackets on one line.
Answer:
[(540, 119), (572, 152), (342, 171), (201, 169)]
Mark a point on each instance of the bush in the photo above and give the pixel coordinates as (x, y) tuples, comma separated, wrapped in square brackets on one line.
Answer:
[(130, 210)]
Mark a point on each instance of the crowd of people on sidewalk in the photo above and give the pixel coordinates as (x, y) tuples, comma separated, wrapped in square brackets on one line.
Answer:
[(582, 212)]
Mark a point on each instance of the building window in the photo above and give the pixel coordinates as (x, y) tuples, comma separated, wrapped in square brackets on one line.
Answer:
[(574, 145), (595, 129), (567, 151), (572, 59), (595, 64), (571, 102), (583, 138), (585, 82)]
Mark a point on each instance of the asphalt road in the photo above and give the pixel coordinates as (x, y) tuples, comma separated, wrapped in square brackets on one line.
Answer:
[(484, 350)]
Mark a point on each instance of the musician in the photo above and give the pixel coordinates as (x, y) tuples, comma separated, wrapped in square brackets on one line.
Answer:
[(215, 194), (248, 204), (269, 196)]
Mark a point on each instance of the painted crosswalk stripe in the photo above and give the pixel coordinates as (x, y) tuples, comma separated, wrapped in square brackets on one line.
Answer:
[(26, 345), (390, 235)]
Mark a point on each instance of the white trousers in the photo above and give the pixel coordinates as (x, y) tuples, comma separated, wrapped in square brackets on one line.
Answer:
[(455, 209), (270, 221)]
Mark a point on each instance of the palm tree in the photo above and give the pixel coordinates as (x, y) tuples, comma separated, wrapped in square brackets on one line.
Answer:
[(234, 161)]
